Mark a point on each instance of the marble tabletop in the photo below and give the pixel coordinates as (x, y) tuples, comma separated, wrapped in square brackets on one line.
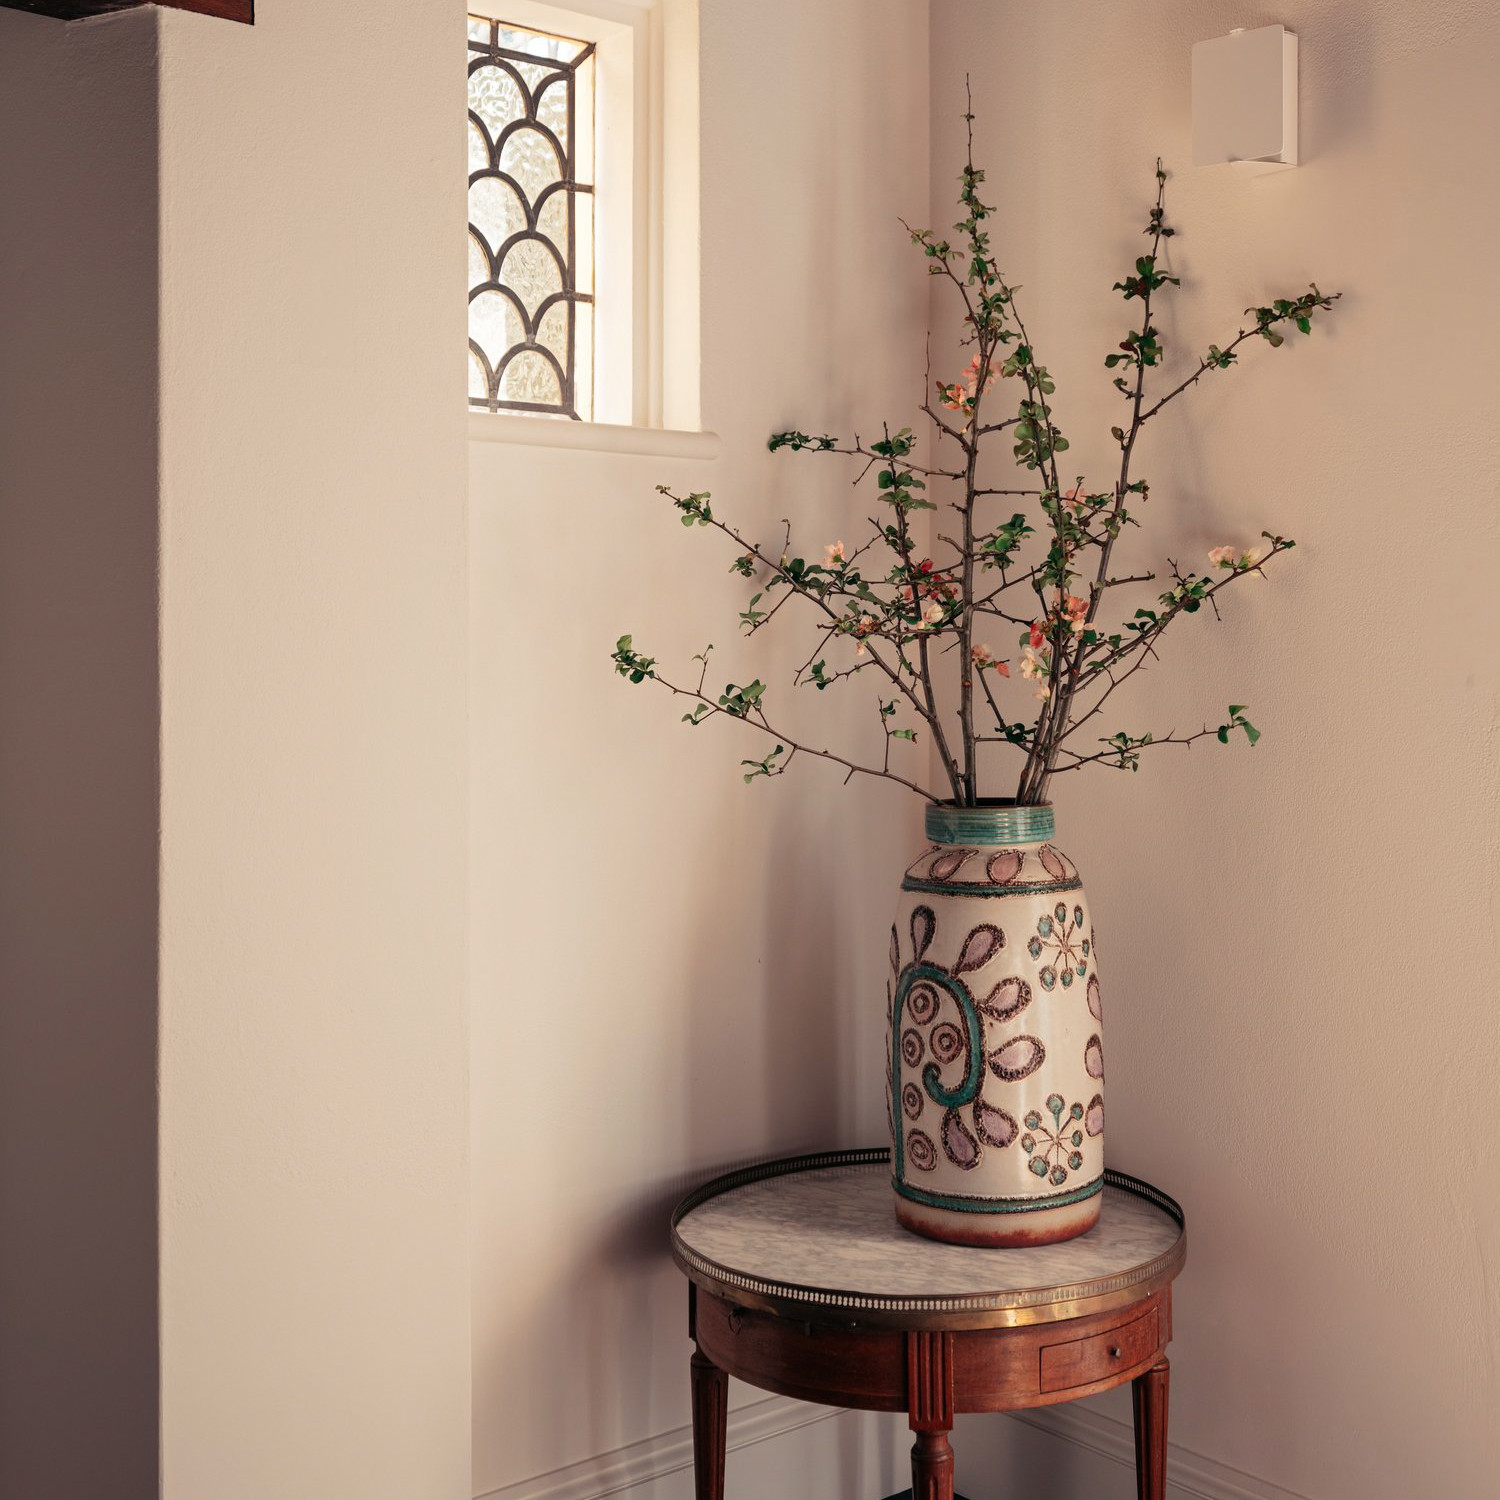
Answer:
[(828, 1235)]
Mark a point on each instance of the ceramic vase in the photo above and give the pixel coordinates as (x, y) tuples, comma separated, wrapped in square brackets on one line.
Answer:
[(995, 1065)]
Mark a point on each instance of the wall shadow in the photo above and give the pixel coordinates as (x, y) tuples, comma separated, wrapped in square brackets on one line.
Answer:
[(78, 757)]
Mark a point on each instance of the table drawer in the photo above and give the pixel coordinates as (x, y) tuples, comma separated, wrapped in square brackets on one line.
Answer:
[(1085, 1361)]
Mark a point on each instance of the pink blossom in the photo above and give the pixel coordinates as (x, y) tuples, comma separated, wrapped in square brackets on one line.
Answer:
[(1236, 558), (932, 612), (972, 375), (1034, 666), (982, 656), (1074, 610), (833, 553), (1003, 668)]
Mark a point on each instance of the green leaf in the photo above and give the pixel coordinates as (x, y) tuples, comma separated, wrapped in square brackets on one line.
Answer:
[(1237, 720)]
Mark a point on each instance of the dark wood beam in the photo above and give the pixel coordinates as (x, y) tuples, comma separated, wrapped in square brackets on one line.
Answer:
[(76, 10), (229, 10)]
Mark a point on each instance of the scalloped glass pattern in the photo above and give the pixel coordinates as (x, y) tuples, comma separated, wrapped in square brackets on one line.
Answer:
[(531, 221)]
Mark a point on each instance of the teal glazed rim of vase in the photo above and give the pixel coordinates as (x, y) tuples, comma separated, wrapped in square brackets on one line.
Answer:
[(997, 821)]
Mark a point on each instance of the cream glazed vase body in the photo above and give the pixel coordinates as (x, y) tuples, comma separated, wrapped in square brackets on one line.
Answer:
[(995, 1051)]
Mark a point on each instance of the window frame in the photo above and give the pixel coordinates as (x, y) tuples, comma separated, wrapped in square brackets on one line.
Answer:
[(571, 403), (646, 267)]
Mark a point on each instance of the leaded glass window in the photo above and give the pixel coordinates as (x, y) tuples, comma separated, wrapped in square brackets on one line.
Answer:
[(531, 221)]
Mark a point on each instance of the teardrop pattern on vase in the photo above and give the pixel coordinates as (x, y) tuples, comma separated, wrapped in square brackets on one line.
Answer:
[(923, 925), (994, 1126), (981, 945), (920, 1151), (947, 864), (1093, 1057), (1019, 1058), (997, 939), (1008, 999), (959, 1145)]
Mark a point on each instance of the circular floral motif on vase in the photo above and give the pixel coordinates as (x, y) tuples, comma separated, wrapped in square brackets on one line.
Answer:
[(1060, 947), (1054, 1148)]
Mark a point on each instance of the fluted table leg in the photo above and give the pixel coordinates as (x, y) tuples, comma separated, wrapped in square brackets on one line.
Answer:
[(929, 1406), (1149, 1392), (932, 1467), (710, 1416)]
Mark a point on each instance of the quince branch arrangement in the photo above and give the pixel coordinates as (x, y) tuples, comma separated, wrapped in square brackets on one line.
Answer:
[(885, 607)]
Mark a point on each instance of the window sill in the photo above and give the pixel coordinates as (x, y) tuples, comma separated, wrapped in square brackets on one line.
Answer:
[(590, 437)]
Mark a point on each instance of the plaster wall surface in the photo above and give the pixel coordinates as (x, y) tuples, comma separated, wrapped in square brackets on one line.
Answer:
[(78, 757), (314, 1257), (673, 971), (1297, 941)]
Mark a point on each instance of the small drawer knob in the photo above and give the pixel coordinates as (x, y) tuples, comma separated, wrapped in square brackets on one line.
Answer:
[(1114, 1351)]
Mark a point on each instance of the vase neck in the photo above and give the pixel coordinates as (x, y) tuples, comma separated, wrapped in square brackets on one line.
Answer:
[(995, 823)]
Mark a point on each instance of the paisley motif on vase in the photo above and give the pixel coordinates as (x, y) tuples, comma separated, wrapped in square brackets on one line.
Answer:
[(994, 1036)]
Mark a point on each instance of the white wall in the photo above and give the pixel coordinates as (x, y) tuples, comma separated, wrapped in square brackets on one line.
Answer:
[(314, 1289), (673, 970), (1302, 1041), (78, 863), (1298, 941)]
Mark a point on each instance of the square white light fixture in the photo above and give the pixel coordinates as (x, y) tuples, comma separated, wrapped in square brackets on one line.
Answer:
[(1245, 98)]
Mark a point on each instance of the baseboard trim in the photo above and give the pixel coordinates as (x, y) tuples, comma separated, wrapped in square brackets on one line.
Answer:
[(1189, 1475), (653, 1458)]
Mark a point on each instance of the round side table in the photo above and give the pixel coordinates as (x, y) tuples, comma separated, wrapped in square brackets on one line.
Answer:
[(801, 1282)]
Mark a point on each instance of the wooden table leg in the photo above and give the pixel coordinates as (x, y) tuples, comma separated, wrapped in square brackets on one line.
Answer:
[(929, 1406), (710, 1387), (710, 1416), (932, 1467), (1150, 1398)]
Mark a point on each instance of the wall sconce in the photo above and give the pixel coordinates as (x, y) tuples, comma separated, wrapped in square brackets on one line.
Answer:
[(1245, 98)]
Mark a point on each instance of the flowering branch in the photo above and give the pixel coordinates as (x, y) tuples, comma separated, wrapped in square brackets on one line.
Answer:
[(905, 615), (744, 703)]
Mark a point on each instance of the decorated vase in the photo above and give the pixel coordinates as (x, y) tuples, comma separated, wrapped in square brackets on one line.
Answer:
[(995, 1050)]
